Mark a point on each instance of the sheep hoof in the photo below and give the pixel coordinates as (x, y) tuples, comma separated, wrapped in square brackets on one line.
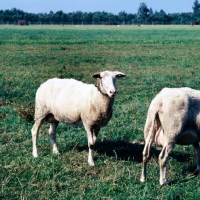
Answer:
[(35, 155), (91, 163), (164, 183), (56, 152), (142, 179)]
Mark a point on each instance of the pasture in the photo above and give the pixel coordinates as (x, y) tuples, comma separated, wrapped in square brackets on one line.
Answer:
[(153, 57)]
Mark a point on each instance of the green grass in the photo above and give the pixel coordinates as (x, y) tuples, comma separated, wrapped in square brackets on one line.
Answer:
[(153, 57)]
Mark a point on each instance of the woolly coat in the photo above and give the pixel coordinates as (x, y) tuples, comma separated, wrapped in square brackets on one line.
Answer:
[(73, 102), (177, 112)]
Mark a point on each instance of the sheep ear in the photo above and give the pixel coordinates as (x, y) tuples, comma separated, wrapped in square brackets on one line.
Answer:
[(96, 75), (119, 74)]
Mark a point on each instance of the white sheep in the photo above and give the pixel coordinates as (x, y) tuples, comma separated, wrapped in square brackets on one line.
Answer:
[(74, 102), (173, 118)]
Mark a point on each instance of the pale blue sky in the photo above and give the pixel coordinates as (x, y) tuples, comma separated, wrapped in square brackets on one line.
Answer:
[(113, 6)]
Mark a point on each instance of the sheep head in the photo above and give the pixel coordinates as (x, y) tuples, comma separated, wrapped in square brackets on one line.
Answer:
[(106, 82)]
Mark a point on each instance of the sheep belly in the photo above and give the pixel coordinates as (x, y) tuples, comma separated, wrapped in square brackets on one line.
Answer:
[(67, 113)]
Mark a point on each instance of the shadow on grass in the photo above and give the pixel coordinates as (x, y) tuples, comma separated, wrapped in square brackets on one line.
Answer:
[(122, 150), (129, 151), (125, 150)]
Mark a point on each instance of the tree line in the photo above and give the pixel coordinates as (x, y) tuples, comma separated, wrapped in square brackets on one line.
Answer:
[(144, 15)]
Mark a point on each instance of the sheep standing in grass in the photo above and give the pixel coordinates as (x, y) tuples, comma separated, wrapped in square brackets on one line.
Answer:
[(173, 118), (74, 102)]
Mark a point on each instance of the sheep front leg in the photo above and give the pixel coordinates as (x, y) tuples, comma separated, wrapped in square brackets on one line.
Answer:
[(52, 134), (197, 155), (34, 132), (91, 148), (92, 136), (164, 154), (95, 134)]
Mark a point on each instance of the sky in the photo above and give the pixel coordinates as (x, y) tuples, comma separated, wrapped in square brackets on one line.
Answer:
[(112, 6)]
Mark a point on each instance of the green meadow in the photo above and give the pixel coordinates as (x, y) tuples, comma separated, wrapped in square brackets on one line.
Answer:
[(153, 57)]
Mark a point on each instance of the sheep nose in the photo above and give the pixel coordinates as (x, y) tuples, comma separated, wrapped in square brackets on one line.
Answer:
[(113, 92)]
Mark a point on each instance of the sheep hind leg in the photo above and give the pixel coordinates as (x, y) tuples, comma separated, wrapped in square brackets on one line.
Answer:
[(164, 154), (197, 155), (52, 134), (146, 154), (34, 132)]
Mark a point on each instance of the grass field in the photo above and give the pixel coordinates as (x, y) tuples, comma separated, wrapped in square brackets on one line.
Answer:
[(153, 57)]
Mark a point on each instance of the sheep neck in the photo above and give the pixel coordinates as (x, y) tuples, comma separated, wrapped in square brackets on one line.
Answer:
[(98, 87)]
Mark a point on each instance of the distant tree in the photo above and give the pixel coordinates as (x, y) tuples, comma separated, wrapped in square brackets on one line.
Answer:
[(122, 16), (96, 17), (51, 16), (175, 18), (71, 18), (151, 15), (186, 18), (58, 16), (160, 17), (78, 17), (196, 7), (196, 10), (143, 13), (88, 17), (130, 18), (103, 16), (111, 18)]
